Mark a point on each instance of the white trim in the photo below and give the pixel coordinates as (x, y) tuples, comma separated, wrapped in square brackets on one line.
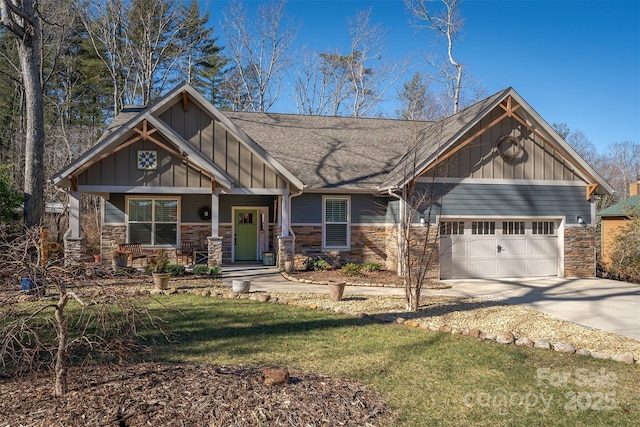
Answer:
[(348, 223), (142, 189), (353, 224), (142, 197), (255, 191), (261, 210), (445, 180)]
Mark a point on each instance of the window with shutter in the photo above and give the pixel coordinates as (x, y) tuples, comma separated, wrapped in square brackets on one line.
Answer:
[(335, 225)]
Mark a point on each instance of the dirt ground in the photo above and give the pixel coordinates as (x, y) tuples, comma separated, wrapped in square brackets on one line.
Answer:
[(187, 395)]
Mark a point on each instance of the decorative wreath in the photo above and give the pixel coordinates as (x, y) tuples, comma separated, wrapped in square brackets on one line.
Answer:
[(205, 213), (503, 146)]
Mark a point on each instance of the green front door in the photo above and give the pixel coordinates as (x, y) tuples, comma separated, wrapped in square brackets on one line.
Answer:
[(246, 234)]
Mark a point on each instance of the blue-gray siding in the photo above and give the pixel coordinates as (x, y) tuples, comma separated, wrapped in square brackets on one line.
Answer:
[(499, 200), (365, 208)]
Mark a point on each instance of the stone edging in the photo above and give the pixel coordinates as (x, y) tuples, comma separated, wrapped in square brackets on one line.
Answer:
[(504, 337)]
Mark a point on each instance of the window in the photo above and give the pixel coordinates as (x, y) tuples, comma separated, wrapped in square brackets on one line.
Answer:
[(512, 227), (451, 227), (483, 227), (153, 221), (544, 227), (335, 230)]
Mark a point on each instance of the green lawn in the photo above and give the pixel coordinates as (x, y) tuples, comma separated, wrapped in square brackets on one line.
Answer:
[(428, 378)]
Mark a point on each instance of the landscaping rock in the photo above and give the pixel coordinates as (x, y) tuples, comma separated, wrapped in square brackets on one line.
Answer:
[(600, 355), (505, 338), (400, 320), (264, 297), (171, 291), (232, 295), (623, 358), (445, 328), (156, 292), (474, 333), (525, 342), (541, 344), (488, 336), (583, 352), (412, 323), (272, 377), (564, 348)]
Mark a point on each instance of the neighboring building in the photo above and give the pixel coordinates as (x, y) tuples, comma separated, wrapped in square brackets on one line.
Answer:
[(510, 196), (615, 218)]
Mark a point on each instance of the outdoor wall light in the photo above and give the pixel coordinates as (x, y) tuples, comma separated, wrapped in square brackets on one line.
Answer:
[(421, 219), (580, 220)]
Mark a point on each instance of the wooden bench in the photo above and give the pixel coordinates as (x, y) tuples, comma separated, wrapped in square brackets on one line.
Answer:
[(132, 250)]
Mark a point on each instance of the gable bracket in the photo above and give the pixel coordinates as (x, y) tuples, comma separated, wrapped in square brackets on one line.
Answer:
[(185, 101), (509, 108), (591, 188)]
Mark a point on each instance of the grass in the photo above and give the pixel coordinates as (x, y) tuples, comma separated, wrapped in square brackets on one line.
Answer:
[(428, 378)]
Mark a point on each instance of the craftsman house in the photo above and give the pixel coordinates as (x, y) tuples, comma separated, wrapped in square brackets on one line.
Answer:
[(509, 196)]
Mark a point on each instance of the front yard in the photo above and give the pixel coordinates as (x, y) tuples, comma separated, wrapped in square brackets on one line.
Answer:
[(426, 378)]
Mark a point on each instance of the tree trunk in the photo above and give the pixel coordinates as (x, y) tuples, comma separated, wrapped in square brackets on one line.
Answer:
[(34, 143), (60, 388)]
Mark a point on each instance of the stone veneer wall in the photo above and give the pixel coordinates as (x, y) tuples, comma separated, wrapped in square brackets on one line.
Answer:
[(432, 254), (368, 244), (197, 233), (111, 236), (579, 251)]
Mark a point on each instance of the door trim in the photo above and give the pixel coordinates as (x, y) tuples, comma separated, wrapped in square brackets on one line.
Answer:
[(262, 245)]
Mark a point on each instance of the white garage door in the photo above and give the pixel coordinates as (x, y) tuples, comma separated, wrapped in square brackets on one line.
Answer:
[(498, 248)]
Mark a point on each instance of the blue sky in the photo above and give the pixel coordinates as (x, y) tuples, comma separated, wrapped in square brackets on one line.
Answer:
[(573, 61)]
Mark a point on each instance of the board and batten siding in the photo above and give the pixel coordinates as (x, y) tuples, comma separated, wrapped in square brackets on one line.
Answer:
[(365, 208), (242, 165), (480, 159), (510, 200), (121, 169)]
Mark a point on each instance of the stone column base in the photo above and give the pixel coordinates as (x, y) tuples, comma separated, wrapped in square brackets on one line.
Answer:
[(215, 251), (73, 251), (285, 254)]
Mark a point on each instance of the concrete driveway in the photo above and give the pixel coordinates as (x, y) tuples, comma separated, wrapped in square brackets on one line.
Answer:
[(597, 303)]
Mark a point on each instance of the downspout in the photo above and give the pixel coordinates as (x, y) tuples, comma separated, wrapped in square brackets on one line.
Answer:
[(400, 231)]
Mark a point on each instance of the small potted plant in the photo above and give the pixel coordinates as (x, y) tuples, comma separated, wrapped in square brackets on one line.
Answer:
[(159, 270)]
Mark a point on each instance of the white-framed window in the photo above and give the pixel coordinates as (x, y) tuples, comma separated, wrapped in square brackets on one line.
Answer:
[(451, 227), (336, 219), (512, 227), (544, 227), (153, 220), (483, 227)]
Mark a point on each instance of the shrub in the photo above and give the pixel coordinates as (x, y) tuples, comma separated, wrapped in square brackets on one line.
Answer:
[(625, 258), (200, 269), (351, 269), (315, 264), (203, 270), (176, 269), (371, 267)]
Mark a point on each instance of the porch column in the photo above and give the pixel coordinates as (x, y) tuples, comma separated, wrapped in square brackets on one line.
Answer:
[(74, 214), (72, 240), (214, 242), (286, 222), (215, 214)]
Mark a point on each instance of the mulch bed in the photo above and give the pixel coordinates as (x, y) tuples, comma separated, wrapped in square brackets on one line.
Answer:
[(188, 395), (383, 278)]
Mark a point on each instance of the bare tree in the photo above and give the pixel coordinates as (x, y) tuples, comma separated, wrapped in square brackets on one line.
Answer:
[(352, 84), (260, 53), (418, 103), (51, 332), (623, 166), (23, 21), (417, 232), (448, 24)]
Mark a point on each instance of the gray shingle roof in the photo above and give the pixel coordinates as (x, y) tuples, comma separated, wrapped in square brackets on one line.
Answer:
[(329, 152)]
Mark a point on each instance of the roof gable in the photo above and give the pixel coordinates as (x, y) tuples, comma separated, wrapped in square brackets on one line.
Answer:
[(439, 142)]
